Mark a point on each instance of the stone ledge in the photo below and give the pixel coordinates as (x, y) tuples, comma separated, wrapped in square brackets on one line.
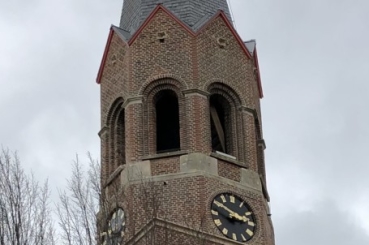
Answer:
[(133, 100), (195, 91), (261, 142), (254, 186), (103, 131), (198, 162), (229, 160), (114, 175), (165, 155)]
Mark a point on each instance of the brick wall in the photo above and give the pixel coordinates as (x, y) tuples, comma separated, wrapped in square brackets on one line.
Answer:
[(186, 202), (194, 67)]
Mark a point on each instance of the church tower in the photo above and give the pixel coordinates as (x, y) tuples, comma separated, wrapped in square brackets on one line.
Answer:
[(182, 148)]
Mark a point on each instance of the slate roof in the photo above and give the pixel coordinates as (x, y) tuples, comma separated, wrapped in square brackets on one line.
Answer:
[(250, 45), (194, 13), (125, 35)]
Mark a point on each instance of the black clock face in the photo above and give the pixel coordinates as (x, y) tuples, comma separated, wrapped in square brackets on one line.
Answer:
[(117, 223), (233, 217)]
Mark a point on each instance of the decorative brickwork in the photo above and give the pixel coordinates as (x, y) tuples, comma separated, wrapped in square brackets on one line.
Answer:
[(165, 166), (229, 171), (167, 195)]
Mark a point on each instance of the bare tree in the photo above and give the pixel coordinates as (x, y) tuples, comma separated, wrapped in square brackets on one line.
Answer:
[(25, 216), (85, 208), (79, 205)]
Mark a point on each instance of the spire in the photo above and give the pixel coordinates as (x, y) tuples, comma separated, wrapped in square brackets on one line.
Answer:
[(193, 13)]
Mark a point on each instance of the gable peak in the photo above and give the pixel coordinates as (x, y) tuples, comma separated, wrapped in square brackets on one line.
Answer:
[(191, 12)]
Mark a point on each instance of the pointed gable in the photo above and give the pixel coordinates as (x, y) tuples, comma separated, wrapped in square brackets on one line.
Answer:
[(190, 12), (249, 47)]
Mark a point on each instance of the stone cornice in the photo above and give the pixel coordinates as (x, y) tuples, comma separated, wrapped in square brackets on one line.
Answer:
[(133, 100), (165, 155), (103, 131), (229, 160), (195, 91), (248, 110), (261, 142)]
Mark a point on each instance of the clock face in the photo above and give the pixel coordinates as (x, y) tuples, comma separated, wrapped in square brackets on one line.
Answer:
[(117, 222), (233, 217)]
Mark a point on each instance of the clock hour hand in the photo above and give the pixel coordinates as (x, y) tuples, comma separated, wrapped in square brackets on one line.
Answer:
[(245, 220)]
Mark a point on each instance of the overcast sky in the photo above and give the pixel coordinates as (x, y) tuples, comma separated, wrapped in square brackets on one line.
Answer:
[(314, 65)]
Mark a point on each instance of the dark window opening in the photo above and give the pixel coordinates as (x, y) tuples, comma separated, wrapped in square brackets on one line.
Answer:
[(167, 122), (120, 148), (219, 124)]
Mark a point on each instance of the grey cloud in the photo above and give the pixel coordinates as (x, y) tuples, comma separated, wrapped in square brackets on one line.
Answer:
[(314, 67), (325, 224)]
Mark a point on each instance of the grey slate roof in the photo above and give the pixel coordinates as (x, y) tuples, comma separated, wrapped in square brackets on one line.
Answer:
[(250, 45), (194, 13), (125, 35)]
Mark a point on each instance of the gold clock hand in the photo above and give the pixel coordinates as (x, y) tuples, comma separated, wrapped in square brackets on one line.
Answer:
[(243, 218), (220, 209), (232, 214)]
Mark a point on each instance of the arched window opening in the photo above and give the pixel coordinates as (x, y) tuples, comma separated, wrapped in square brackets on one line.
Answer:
[(167, 122), (116, 138), (220, 124), (120, 146)]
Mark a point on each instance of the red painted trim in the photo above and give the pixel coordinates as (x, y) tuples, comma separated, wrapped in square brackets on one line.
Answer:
[(219, 13), (189, 30), (151, 16), (261, 94), (102, 64)]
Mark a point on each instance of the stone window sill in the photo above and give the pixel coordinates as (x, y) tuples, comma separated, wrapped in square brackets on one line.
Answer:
[(229, 159), (165, 155)]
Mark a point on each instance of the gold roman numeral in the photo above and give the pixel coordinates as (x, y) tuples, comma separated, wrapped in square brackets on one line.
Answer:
[(223, 198), (225, 231), (218, 222), (232, 199), (234, 237), (214, 212), (249, 232), (250, 223)]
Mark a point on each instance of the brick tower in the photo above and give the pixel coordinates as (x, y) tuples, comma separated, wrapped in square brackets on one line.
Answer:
[(181, 140)]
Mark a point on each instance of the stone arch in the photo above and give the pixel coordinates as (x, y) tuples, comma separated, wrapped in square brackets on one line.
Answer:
[(227, 87), (114, 106), (151, 95), (152, 82), (224, 104)]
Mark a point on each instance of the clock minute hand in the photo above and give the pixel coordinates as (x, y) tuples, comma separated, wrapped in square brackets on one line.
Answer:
[(232, 214)]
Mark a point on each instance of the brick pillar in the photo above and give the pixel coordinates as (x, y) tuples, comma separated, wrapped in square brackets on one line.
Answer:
[(133, 127), (250, 143), (197, 121)]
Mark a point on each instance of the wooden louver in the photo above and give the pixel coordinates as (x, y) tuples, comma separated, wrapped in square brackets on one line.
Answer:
[(218, 127)]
